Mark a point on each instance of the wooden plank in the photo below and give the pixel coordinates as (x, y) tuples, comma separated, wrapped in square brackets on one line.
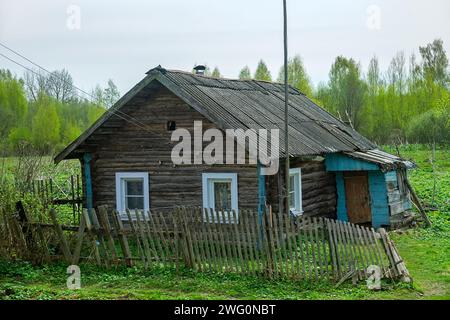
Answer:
[(136, 232), (152, 237), (339, 270), (92, 236), (219, 230), (201, 239), (210, 248), (283, 239), (294, 247), (345, 259), (377, 238), (385, 242), (192, 225), (269, 259), (356, 249), (373, 248), (145, 240), (155, 235), (306, 243), (79, 243), (318, 246), (250, 244), (367, 246), (100, 238), (212, 235), (191, 261), (291, 261), (238, 231), (326, 254), (350, 249), (123, 240), (177, 237), (416, 201), (62, 239), (168, 242), (363, 247), (228, 234), (300, 247), (400, 266), (312, 247), (103, 215), (274, 244)]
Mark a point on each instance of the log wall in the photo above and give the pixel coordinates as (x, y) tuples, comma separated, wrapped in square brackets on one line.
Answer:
[(119, 146)]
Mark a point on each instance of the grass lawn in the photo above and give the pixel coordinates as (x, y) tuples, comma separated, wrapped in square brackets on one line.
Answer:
[(426, 252)]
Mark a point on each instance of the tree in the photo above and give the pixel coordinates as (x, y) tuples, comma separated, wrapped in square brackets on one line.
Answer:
[(46, 124), (297, 76), (13, 102), (216, 73), (262, 72), (60, 85), (111, 94), (36, 83), (105, 97), (245, 74), (397, 73), (435, 62), (347, 91)]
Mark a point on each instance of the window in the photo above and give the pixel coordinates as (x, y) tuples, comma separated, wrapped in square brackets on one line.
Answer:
[(171, 125), (295, 190), (220, 193), (132, 191)]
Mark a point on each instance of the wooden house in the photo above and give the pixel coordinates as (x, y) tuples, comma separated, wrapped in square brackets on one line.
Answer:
[(336, 172)]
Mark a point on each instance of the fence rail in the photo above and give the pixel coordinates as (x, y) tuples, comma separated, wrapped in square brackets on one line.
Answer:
[(272, 245)]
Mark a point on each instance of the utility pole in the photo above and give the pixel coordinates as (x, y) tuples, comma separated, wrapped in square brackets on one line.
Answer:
[(286, 109)]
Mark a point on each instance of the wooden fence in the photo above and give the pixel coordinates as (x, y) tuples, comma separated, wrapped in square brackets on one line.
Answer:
[(271, 245), (52, 193)]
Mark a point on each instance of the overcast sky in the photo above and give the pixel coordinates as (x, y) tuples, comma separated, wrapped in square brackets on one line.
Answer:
[(122, 40)]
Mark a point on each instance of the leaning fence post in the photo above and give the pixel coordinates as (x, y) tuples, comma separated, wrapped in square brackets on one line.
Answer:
[(64, 245)]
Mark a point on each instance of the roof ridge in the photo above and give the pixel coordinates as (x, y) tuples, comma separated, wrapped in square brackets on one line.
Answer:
[(164, 70)]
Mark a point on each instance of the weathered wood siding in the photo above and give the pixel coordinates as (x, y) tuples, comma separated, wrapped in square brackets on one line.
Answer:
[(318, 187), (119, 146)]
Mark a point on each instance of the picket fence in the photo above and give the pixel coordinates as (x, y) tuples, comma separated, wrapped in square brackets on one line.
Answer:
[(271, 245)]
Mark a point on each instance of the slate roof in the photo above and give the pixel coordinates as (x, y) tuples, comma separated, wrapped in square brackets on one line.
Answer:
[(244, 104)]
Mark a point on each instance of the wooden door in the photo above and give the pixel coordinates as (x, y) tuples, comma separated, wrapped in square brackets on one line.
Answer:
[(357, 197)]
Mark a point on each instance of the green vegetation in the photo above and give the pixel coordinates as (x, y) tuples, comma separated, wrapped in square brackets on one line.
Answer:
[(44, 113), (426, 252), (407, 103)]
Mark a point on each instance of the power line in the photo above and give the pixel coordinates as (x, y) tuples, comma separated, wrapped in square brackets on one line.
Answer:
[(130, 119)]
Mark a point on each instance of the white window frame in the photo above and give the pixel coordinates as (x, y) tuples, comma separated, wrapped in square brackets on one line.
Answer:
[(208, 179), (297, 173), (121, 177)]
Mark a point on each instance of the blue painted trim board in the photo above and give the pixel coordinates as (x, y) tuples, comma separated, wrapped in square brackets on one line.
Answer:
[(379, 201), (87, 177), (261, 199), (340, 162), (341, 207)]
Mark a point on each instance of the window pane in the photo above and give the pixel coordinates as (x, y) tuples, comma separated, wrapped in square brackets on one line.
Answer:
[(292, 191), (134, 203), (222, 195), (292, 199), (292, 182), (135, 187)]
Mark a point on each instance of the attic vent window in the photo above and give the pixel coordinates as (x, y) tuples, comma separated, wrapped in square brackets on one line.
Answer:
[(171, 125)]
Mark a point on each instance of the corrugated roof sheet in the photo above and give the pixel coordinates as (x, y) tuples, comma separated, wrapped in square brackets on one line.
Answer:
[(248, 104), (386, 160), (255, 104)]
